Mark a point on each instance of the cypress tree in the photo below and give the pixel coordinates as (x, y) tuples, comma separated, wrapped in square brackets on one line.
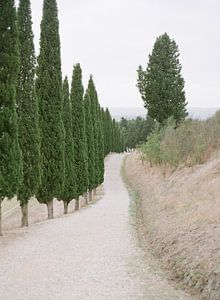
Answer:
[(105, 131), (94, 116), (119, 139), (28, 118), (101, 166), (114, 135), (90, 143), (49, 91), (10, 154), (69, 191), (109, 131), (161, 85), (79, 134)]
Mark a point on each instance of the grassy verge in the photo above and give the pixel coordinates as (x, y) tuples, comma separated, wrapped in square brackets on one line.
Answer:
[(134, 195), (164, 250), (135, 211)]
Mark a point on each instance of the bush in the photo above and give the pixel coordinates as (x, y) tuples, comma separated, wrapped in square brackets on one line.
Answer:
[(151, 149), (192, 142)]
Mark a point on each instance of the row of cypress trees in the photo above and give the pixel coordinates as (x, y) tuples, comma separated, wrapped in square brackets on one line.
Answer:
[(53, 138)]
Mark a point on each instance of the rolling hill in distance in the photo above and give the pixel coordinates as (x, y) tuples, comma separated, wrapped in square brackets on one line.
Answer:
[(133, 112)]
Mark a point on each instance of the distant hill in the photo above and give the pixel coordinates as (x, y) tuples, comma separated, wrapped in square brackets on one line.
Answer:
[(133, 112), (202, 113), (127, 112)]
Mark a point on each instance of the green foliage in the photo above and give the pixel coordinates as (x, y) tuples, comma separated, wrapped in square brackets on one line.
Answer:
[(151, 149), (190, 143), (10, 154), (108, 133), (90, 141), (49, 92), (69, 191), (29, 135), (101, 149), (94, 116), (161, 85), (103, 135), (117, 138), (79, 132), (104, 126), (64, 137), (136, 131)]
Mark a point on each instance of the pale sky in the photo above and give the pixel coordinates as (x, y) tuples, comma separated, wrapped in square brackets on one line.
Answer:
[(111, 38)]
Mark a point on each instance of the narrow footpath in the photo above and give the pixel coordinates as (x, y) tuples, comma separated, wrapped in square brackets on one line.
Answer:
[(90, 254)]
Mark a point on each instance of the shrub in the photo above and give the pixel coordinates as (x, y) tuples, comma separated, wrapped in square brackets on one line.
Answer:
[(192, 142)]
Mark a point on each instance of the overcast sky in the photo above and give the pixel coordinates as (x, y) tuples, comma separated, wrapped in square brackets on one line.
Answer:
[(110, 38)]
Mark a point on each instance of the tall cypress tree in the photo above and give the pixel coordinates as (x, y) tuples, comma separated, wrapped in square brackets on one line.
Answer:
[(10, 154), (94, 115), (110, 133), (69, 191), (161, 85), (79, 134), (49, 92), (100, 146), (90, 143), (105, 131), (28, 118), (113, 135)]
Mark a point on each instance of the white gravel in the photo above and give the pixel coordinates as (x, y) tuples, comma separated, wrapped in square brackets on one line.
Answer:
[(91, 254)]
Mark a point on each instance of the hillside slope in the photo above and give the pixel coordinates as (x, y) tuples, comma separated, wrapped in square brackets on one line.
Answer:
[(181, 214)]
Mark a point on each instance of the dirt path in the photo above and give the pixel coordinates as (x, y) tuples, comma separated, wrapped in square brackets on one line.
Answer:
[(92, 254)]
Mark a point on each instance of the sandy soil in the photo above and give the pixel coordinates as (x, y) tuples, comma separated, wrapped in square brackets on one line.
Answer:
[(37, 212), (91, 254), (181, 212)]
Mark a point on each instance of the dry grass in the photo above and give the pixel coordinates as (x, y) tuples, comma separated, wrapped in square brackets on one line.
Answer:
[(181, 211)]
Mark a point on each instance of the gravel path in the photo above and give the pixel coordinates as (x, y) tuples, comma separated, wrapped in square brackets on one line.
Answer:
[(91, 254)]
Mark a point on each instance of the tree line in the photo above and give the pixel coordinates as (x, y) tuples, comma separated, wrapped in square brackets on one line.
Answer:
[(136, 131), (54, 136)]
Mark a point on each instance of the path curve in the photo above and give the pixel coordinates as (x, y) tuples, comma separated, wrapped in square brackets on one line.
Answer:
[(91, 254)]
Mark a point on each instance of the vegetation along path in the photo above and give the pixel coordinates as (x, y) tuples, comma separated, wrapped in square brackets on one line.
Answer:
[(91, 254)]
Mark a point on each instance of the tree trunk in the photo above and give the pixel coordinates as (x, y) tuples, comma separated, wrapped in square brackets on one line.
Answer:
[(86, 198), (24, 211), (90, 196), (77, 204), (95, 191), (50, 209), (65, 204), (1, 216)]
